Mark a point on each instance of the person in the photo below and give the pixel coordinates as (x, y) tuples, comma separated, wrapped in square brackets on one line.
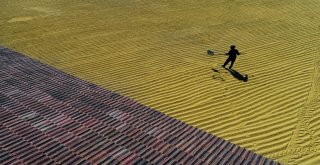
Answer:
[(233, 52)]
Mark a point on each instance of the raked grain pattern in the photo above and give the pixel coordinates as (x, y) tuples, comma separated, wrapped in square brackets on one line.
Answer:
[(155, 52)]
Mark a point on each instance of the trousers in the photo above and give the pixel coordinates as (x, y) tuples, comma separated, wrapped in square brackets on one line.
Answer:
[(232, 59)]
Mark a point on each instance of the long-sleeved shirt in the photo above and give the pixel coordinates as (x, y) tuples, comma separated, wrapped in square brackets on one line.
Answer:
[(233, 53)]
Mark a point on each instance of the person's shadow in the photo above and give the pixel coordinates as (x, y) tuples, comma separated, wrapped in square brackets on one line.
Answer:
[(237, 75)]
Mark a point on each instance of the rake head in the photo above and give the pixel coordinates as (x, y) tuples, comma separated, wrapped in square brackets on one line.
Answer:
[(210, 52)]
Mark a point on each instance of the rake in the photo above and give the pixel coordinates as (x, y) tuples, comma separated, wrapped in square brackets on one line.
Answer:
[(211, 52)]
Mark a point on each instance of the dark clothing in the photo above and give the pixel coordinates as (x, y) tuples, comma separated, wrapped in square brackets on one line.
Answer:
[(232, 57), (228, 60), (233, 53)]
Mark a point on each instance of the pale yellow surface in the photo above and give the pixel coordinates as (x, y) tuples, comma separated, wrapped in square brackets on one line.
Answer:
[(155, 52)]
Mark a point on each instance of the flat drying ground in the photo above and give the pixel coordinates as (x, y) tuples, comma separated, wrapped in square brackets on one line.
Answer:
[(155, 52)]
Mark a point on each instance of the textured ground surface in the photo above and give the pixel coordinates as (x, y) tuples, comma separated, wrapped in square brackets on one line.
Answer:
[(47, 116), (155, 52)]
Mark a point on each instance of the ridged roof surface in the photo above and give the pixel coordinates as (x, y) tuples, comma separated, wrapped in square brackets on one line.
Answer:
[(49, 117)]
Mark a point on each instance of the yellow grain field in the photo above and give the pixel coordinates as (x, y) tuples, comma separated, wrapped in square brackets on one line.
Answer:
[(155, 52)]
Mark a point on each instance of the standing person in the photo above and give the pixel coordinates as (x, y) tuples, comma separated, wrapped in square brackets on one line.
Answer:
[(233, 52)]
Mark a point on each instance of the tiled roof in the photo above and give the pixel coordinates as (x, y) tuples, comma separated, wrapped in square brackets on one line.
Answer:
[(50, 117)]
